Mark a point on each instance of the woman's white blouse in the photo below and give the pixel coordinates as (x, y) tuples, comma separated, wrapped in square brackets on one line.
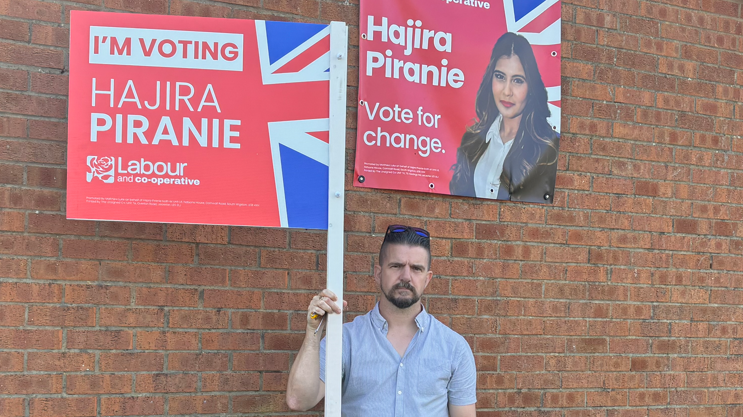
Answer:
[(490, 165)]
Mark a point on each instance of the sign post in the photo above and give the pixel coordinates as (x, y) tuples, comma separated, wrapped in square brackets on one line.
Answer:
[(336, 205)]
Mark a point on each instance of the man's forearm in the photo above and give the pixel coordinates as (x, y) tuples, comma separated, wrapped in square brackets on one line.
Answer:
[(305, 389)]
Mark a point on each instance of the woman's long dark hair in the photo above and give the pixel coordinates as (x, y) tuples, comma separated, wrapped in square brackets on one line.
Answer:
[(533, 126)]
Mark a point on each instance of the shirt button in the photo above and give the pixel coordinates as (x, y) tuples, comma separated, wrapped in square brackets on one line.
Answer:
[(400, 364), (399, 392)]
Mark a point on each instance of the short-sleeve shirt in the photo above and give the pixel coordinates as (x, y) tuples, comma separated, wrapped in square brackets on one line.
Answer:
[(437, 369)]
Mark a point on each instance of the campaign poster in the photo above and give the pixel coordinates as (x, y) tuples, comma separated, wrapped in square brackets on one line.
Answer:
[(460, 97), (198, 120)]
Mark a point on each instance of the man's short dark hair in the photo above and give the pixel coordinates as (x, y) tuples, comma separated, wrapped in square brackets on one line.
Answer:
[(406, 235)]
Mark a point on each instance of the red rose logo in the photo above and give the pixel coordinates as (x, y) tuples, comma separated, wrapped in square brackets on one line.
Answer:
[(102, 167)]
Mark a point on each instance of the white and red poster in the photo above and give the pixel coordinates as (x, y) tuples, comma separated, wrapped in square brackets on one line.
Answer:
[(460, 97), (198, 120)]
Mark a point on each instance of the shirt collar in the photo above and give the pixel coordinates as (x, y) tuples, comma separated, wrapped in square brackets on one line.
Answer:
[(494, 131), (421, 320)]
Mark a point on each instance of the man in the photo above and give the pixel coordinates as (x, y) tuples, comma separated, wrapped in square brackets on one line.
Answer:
[(397, 359)]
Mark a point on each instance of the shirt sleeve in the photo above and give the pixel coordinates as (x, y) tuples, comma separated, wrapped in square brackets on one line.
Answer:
[(463, 384), (345, 359), (322, 359)]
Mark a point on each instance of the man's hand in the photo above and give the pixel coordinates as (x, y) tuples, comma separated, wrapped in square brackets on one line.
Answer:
[(321, 304)]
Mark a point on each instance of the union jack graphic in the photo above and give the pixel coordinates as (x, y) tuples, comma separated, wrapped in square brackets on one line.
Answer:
[(298, 54), (539, 22)]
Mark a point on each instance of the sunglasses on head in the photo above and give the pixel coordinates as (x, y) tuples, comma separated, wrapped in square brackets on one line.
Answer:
[(399, 228)]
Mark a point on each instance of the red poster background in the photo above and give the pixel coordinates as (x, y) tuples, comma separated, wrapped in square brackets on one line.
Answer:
[(474, 32), (236, 186)]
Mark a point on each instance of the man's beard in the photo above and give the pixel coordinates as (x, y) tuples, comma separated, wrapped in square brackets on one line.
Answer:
[(401, 302)]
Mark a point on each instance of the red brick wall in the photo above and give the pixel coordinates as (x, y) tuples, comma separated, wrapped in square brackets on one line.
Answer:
[(622, 299)]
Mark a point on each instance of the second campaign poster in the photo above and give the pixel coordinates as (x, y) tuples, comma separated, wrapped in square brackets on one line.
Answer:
[(460, 97)]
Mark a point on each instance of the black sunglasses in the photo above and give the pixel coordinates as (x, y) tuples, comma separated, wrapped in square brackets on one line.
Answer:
[(399, 228)]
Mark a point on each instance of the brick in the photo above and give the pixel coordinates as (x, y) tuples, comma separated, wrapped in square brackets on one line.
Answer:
[(253, 320), (199, 319), (72, 407), (166, 382), (131, 230), (591, 91), (260, 361), (46, 177), (99, 339), (95, 249), (99, 384), (26, 104), (277, 238), (12, 221), (173, 297), (132, 273), (132, 317), (14, 79), (188, 8), (131, 362), (590, 127), (130, 406), (288, 259), (163, 252), (29, 199), (14, 30), (200, 362), (52, 36), (11, 174), (61, 316), (13, 268), (233, 341), (227, 256), (199, 404), (522, 363), (31, 384), (595, 18), (197, 233), (30, 293), (260, 278), (64, 270), (140, 6), (11, 361), (97, 294), (49, 153), (699, 54), (167, 340), (232, 299)]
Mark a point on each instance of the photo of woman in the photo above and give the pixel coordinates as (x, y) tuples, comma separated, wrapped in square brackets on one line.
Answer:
[(510, 152)]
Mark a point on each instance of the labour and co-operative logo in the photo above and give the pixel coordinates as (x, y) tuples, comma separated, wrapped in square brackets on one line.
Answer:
[(101, 167)]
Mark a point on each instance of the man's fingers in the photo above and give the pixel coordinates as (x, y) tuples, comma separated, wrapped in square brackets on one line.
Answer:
[(329, 306), (328, 294), (324, 303)]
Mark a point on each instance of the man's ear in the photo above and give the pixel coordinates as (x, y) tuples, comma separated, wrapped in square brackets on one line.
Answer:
[(429, 275), (378, 274)]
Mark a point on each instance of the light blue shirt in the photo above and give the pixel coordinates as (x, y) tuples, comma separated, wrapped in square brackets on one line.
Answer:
[(438, 368)]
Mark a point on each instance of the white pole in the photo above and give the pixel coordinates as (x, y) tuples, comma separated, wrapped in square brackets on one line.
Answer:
[(336, 206)]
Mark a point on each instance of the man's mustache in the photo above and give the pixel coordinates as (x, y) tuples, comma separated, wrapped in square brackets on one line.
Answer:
[(404, 284)]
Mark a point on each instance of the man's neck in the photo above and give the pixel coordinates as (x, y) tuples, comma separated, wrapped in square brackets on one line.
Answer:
[(398, 317)]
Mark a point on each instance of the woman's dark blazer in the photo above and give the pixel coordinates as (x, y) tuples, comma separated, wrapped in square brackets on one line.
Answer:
[(534, 186)]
